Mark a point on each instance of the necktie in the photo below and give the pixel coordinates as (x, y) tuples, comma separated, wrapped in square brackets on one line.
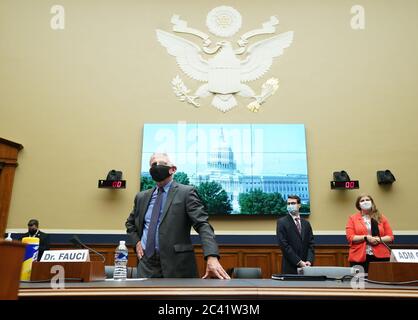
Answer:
[(152, 229), (297, 219)]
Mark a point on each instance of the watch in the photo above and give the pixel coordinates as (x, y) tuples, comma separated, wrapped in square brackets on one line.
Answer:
[(365, 238)]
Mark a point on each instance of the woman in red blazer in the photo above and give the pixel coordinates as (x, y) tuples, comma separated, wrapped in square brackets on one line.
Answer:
[(365, 231)]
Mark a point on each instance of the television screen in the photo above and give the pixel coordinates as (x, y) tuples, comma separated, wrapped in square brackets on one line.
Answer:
[(237, 169)]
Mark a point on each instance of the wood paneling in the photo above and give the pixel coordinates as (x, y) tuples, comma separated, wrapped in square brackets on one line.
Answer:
[(84, 271), (11, 253), (8, 163), (266, 257), (325, 259), (263, 261), (394, 272)]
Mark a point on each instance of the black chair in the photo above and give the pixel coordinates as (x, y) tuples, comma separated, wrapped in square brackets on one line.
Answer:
[(109, 271), (131, 272), (246, 273)]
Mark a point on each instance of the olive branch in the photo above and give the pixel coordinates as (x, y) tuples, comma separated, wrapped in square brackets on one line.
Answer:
[(181, 91)]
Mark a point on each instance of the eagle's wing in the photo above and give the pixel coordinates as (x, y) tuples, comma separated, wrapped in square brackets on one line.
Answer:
[(187, 55), (261, 55)]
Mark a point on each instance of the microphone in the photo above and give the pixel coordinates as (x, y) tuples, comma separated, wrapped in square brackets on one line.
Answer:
[(381, 241), (375, 231), (77, 242)]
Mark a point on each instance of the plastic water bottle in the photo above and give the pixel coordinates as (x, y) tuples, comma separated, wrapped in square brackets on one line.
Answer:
[(121, 261)]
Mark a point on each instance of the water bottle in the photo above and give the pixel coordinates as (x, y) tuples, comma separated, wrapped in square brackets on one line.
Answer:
[(121, 261)]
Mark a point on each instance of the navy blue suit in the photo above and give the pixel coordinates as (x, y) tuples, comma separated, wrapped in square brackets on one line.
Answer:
[(295, 246)]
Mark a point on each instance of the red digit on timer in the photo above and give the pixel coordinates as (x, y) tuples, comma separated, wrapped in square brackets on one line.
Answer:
[(116, 184)]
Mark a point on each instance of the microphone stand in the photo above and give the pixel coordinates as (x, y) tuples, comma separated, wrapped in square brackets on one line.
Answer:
[(77, 241), (387, 247)]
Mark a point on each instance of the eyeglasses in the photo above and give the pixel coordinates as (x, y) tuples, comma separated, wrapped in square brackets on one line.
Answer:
[(292, 203)]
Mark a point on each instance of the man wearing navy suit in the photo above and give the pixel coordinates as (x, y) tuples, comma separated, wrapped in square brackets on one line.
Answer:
[(295, 238), (34, 232)]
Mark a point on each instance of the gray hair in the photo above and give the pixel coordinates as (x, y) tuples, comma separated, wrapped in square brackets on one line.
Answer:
[(161, 155)]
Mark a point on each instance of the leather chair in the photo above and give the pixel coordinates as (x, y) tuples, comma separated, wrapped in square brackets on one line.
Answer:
[(246, 273), (109, 271), (131, 272)]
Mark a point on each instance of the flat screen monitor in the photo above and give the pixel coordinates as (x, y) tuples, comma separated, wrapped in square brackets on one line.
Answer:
[(237, 169)]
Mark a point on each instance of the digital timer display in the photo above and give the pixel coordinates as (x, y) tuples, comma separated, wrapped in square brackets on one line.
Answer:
[(112, 184), (345, 185)]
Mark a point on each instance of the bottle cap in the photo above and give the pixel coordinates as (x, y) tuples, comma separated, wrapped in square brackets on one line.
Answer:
[(122, 242)]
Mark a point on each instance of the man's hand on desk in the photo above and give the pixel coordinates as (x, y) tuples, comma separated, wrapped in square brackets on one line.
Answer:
[(303, 264), (214, 269)]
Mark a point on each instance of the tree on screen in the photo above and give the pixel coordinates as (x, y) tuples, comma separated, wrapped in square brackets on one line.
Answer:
[(181, 177), (214, 198), (259, 202), (147, 183)]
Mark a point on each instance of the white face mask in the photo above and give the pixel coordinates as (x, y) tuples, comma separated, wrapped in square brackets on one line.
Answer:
[(366, 205), (292, 208)]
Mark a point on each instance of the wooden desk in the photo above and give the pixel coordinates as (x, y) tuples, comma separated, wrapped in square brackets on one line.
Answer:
[(11, 258), (215, 289)]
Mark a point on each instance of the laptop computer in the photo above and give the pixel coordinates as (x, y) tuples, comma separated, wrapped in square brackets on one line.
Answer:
[(297, 277)]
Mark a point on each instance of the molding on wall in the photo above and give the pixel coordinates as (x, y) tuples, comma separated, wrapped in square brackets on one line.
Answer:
[(222, 239)]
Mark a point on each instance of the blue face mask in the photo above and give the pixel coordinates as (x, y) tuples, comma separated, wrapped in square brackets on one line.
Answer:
[(292, 208)]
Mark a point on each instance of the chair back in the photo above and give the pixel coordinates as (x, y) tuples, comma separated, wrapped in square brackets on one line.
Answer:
[(246, 273)]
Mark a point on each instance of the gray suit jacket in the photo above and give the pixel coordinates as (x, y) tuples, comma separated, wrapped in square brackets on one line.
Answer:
[(182, 210)]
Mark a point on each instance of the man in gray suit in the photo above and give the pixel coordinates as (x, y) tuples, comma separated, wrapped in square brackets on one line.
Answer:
[(159, 226)]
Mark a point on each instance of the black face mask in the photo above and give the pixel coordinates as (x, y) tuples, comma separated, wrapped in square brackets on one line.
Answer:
[(159, 172), (32, 231)]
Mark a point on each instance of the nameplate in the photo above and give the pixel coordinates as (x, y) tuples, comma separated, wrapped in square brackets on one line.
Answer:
[(66, 256), (404, 255)]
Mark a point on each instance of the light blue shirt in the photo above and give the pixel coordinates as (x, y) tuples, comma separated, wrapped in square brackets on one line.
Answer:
[(148, 214)]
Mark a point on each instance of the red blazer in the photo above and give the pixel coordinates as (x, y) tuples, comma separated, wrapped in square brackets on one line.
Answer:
[(357, 227)]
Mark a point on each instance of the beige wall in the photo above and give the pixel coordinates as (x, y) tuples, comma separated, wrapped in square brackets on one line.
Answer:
[(77, 100)]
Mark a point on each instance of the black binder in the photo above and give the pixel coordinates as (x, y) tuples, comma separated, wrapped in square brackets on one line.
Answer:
[(297, 277)]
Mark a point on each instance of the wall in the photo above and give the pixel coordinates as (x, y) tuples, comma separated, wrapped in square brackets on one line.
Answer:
[(77, 100)]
